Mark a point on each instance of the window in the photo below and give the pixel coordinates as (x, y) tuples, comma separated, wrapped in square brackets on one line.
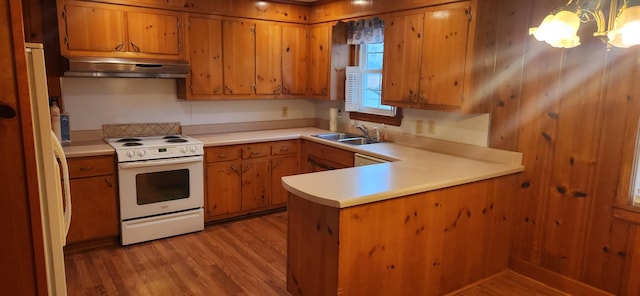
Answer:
[(364, 82)]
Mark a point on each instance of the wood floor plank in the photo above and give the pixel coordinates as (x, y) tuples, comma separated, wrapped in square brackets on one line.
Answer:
[(245, 257)]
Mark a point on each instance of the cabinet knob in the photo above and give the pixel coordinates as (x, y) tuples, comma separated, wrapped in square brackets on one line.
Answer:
[(7, 112)]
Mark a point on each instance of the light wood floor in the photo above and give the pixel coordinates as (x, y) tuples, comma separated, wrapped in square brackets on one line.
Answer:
[(246, 257)]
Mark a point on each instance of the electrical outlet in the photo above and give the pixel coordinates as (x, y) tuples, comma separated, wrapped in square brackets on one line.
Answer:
[(419, 127), (431, 127), (285, 111)]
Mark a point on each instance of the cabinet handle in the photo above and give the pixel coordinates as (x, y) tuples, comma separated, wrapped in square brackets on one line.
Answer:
[(284, 148), (135, 47), (108, 182), (277, 90), (119, 46), (277, 164), (229, 90), (256, 153), (235, 170), (285, 90), (86, 169), (324, 91), (7, 112), (247, 168), (222, 156)]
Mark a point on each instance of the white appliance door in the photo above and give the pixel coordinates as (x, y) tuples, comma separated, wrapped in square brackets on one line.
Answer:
[(48, 172), (180, 180)]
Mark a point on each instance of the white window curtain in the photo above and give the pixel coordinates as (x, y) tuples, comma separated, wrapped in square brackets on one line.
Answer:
[(365, 31)]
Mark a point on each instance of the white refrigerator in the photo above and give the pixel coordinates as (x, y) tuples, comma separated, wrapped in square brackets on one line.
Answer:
[(50, 158)]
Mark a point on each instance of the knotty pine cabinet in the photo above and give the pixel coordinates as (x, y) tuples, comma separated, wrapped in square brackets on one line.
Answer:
[(105, 30), (239, 58), (94, 199), (319, 157), (243, 179), (427, 55)]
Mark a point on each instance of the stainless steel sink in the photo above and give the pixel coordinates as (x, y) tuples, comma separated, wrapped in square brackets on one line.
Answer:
[(347, 138)]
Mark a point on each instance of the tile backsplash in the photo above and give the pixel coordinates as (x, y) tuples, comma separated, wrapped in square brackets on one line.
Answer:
[(140, 129)]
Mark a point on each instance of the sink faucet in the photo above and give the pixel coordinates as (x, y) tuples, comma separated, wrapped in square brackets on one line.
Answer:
[(364, 129)]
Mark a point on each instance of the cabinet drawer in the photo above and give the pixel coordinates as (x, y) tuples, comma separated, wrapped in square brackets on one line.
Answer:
[(335, 155), (284, 147), (222, 153), (256, 150), (91, 166)]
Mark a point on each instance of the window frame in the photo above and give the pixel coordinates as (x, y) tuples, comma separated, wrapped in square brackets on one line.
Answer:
[(357, 56)]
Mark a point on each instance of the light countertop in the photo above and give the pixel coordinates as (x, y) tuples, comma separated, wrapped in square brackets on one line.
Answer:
[(411, 171)]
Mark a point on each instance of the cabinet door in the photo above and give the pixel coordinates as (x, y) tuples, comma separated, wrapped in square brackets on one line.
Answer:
[(238, 56), (223, 188), (93, 28), (256, 181), (281, 167), (294, 59), (444, 51), (154, 33), (95, 209), (319, 59), (205, 56), (401, 70), (268, 58)]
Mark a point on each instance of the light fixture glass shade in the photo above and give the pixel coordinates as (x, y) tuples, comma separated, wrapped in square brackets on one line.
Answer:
[(559, 30), (627, 28)]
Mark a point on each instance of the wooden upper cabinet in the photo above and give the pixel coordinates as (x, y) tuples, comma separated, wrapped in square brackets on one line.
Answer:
[(95, 29), (268, 58), (427, 57), (154, 33), (239, 49), (294, 59), (402, 46), (319, 60), (444, 52), (204, 42)]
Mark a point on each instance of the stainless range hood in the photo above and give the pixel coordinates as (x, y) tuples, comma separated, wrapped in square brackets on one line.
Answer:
[(128, 68)]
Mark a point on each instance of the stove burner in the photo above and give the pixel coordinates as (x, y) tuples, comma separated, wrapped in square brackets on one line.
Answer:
[(129, 144), (128, 140), (171, 137), (177, 140)]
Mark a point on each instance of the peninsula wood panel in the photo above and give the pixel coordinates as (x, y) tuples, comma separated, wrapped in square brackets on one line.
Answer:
[(423, 244)]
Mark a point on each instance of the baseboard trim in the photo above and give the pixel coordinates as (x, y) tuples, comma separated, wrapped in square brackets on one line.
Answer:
[(554, 280)]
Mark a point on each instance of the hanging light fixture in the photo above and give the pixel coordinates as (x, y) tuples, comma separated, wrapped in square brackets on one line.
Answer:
[(560, 27)]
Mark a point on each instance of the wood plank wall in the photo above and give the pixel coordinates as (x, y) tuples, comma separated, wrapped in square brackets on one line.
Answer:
[(574, 114)]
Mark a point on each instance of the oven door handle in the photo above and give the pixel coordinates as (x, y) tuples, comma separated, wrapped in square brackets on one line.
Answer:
[(156, 162)]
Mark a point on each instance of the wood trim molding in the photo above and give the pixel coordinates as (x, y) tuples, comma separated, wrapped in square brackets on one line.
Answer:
[(395, 121), (629, 214), (555, 280)]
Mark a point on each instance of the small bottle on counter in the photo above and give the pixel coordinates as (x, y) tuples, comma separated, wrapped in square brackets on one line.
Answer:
[(64, 127), (55, 119)]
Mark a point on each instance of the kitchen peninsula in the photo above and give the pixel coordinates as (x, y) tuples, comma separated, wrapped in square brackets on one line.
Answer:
[(427, 224)]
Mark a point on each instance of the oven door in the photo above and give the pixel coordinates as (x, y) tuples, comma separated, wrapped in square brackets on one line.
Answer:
[(160, 186)]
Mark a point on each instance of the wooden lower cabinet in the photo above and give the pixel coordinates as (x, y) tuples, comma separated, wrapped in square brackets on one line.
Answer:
[(318, 157), (244, 179), (93, 198), (282, 167)]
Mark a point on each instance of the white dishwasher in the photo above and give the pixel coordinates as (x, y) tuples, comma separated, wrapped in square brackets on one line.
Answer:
[(362, 159)]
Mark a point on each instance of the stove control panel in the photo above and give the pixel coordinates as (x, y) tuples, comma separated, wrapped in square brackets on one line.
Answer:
[(134, 154)]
